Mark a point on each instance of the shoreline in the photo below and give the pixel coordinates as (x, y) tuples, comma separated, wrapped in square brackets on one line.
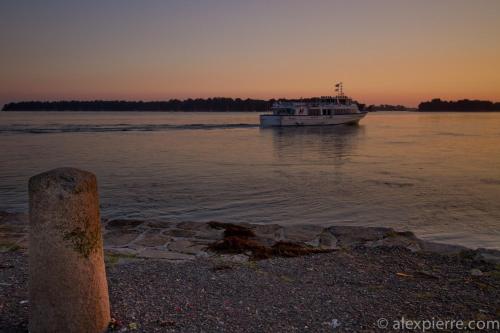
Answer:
[(163, 278), (159, 239)]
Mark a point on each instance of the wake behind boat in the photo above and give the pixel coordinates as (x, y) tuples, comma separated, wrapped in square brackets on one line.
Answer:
[(327, 110)]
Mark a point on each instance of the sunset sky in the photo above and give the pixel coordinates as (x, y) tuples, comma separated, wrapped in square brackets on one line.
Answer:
[(384, 51)]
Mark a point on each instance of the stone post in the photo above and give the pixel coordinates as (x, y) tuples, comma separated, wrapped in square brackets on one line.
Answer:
[(68, 291)]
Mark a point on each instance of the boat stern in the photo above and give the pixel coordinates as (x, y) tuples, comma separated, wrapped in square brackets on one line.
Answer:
[(270, 120)]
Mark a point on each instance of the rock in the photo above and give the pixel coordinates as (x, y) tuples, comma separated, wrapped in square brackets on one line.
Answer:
[(68, 289), (203, 242), (324, 240), (120, 237), (123, 224), (13, 231), (190, 225), (212, 234), (164, 254), (271, 231), (152, 238), (487, 255), (159, 224), (14, 218), (445, 249), (476, 272), (122, 251), (314, 242), (202, 254), (232, 258), (196, 249), (352, 235), (301, 233), (180, 233), (11, 237), (410, 243), (327, 240), (120, 256), (185, 246)]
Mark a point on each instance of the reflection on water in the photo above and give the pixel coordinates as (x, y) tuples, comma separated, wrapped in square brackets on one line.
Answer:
[(325, 143), (435, 174)]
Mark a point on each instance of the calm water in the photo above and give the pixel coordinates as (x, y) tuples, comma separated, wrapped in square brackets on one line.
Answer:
[(435, 174)]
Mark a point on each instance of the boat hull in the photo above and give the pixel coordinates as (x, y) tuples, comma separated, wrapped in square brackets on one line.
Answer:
[(270, 120)]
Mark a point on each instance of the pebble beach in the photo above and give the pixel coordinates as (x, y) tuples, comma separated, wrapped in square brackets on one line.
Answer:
[(171, 277)]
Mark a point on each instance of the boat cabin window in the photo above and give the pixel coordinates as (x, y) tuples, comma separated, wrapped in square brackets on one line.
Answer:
[(285, 112), (314, 112), (343, 111)]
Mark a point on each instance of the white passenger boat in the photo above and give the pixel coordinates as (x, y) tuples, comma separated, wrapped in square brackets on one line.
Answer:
[(323, 111)]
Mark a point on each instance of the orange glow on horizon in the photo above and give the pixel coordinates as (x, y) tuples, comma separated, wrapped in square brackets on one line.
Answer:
[(389, 52)]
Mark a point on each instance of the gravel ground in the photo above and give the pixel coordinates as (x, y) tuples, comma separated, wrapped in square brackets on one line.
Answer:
[(315, 293)]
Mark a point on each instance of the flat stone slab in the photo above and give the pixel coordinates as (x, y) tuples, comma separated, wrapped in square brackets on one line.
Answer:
[(163, 254), (13, 231), (210, 235), (158, 224), (326, 240), (354, 235), (164, 240), (491, 256), (301, 233), (153, 237), (185, 246), (442, 248), (123, 224), (7, 218), (409, 243), (120, 237), (183, 233)]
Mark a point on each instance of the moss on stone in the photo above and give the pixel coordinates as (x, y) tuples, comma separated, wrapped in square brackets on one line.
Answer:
[(495, 273), (391, 234), (85, 243), (113, 258), (9, 247)]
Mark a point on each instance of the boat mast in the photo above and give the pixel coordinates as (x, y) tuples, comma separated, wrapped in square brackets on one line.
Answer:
[(339, 91)]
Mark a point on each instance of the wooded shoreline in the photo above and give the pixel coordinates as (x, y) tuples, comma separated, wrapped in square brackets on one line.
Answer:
[(223, 104)]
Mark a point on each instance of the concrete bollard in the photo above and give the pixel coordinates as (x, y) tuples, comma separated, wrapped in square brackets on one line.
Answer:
[(68, 291)]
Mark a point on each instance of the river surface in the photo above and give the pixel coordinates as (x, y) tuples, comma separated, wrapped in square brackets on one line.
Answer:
[(437, 174)]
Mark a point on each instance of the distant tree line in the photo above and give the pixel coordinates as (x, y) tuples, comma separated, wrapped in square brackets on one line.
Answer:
[(461, 105), (225, 104), (199, 104), (388, 107)]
